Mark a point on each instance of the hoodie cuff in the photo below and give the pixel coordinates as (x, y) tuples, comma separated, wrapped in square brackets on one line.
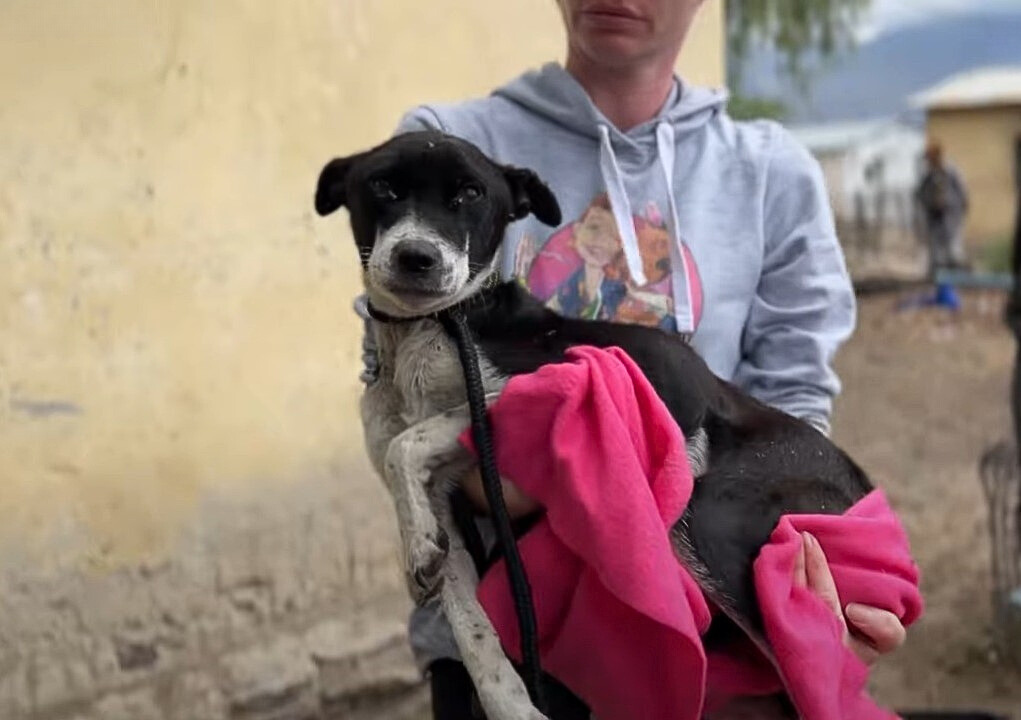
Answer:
[(819, 423)]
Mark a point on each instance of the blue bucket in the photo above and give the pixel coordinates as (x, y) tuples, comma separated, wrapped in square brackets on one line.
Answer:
[(946, 296)]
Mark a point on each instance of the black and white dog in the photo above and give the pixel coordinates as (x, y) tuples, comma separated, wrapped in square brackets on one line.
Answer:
[(428, 212)]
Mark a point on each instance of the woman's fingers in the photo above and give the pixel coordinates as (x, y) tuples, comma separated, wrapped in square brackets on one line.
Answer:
[(820, 579), (868, 632), (880, 629)]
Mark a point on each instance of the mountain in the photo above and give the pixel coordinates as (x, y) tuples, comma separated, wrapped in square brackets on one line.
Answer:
[(876, 78)]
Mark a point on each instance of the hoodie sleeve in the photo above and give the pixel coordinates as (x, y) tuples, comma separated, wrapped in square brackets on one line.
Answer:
[(804, 307), (420, 118)]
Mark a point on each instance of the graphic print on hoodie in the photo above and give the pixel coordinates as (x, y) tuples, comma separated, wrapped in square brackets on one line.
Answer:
[(581, 270)]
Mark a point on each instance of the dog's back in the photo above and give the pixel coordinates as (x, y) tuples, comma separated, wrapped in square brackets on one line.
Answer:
[(758, 463)]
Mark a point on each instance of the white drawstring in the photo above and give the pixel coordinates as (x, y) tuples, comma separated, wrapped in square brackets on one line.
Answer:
[(620, 206), (684, 313)]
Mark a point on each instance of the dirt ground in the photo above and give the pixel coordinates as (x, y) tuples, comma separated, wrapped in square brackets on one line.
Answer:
[(924, 395)]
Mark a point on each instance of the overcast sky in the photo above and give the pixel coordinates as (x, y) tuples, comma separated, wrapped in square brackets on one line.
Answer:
[(889, 14)]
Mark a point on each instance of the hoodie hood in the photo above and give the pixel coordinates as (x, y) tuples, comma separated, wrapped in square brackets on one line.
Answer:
[(554, 94)]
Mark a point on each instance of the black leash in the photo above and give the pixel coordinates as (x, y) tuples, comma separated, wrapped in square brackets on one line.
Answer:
[(455, 323)]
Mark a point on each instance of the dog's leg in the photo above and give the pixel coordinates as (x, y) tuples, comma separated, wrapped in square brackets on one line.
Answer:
[(501, 690), (381, 421), (421, 462), (408, 469), (414, 462)]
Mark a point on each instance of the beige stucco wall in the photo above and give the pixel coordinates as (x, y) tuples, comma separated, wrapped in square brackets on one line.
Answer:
[(180, 465), (980, 143)]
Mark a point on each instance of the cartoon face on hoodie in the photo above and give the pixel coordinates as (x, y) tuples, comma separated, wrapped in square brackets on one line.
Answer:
[(582, 270)]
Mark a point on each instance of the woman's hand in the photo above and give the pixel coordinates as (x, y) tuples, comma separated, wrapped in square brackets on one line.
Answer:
[(518, 504), (869, 632)]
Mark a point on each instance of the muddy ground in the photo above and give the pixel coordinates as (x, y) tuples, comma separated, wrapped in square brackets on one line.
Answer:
[(924, 394)]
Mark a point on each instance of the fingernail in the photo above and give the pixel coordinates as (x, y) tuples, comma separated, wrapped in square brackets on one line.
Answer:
[(857, 613), (808, 538)]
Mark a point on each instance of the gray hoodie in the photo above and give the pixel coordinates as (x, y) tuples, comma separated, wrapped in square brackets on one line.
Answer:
[(691, 221), (732, 240)]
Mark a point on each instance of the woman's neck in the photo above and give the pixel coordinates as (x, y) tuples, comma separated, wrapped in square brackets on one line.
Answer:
[(629, 96)]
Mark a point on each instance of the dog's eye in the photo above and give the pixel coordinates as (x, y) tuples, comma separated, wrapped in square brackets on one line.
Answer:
[(467, 194), (382, 189)]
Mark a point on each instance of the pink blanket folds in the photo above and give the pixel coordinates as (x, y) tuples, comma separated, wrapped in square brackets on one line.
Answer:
[(620, 620)]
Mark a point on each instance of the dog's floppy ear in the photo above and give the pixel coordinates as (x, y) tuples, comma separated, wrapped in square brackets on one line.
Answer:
[(331, 192), (531, 195)]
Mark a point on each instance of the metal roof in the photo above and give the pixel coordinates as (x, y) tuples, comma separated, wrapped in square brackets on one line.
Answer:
[(833, 137), (984, 87)]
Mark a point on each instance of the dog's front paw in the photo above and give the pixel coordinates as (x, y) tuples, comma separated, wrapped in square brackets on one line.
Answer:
[(426, 555)]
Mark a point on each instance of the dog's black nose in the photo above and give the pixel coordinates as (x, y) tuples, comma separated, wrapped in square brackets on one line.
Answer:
[(416, 256)]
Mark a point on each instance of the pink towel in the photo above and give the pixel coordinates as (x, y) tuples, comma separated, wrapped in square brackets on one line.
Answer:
[(620, 621)]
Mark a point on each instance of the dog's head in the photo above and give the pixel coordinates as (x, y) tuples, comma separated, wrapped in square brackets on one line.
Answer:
[(428, 212)]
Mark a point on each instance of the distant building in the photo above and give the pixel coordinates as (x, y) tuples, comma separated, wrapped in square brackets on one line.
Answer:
[(871, 169), (976, 117)]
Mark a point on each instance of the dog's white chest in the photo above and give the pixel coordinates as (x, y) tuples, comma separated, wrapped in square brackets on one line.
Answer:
[(427, 374)]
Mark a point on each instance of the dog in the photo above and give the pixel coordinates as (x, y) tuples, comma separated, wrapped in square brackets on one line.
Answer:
[(428, 213)]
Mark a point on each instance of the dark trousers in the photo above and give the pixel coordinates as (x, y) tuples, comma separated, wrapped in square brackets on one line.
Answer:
[(453, 696)]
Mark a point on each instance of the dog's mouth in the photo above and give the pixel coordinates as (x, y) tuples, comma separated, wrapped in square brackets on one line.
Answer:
[(415, 294), (418, 299), (415, 270), (401, 297), (395, 296)]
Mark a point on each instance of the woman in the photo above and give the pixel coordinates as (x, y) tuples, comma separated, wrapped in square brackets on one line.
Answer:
[(758, 282)]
